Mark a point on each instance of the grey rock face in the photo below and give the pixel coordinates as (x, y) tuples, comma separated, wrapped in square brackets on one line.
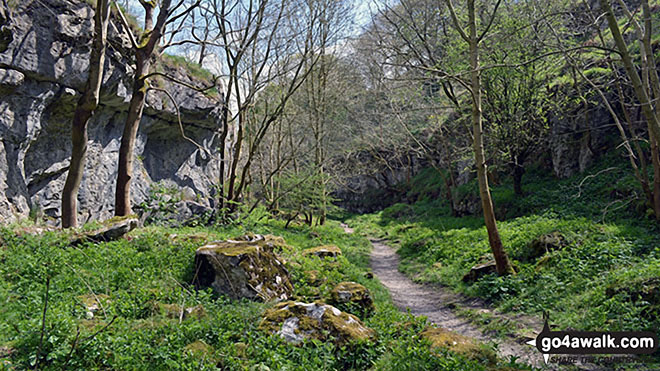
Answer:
[(42, 72), (577, 140)]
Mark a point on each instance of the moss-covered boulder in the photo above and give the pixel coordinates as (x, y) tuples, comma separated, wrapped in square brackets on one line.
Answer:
[(325, 251), (479, 271), (543, 245), (354, 297), (296, 321), (459, 344), (242, 269)]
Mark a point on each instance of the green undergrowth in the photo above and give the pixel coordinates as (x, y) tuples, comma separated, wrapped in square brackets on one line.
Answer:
[(607, 277), (137, 278)]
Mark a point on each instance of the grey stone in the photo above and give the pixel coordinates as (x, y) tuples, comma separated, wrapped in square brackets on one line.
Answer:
[(479, 271), (112, 230)]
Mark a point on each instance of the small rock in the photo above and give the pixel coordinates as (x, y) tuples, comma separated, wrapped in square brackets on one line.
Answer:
[(369, 275), (241, 349), (352, 292), (93, 303), (297, 321), (312, 277), (175, 311), (479, 271), (326, 251)]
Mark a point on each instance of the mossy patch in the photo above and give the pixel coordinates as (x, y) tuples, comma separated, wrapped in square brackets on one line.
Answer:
[(325, 251), (457, 343), (199, 349)]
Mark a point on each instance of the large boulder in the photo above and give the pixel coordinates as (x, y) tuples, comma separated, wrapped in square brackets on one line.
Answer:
[(242, 269), (296, 321), (353, 296)]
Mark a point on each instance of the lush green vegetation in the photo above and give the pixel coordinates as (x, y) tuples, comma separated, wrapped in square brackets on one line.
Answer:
[(605, 278), (153, 267)]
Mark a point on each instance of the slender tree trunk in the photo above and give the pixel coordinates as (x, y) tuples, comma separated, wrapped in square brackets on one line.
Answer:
[(143, 53), (126, 149), (231, 194), (501, 258), (223, 157), (655, 160), (518, 172), (640, 91), (449, 193), (86, 105)]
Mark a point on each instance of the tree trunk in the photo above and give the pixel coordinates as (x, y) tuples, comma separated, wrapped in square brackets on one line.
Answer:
[(126, 149), (143, 54), (518, 172), (86, 105), (640, 91), (655, 160), (501, 258)]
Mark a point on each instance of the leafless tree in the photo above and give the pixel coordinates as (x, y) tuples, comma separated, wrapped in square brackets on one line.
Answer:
[(85, 107), (145, 48)]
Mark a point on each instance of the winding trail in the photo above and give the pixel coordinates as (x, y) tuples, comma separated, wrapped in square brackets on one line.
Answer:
[(439, 304)]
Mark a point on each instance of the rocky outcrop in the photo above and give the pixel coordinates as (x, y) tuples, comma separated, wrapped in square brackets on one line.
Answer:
[(577, 138), (242, 269), (295, 322), (42, 71), (371, 184)]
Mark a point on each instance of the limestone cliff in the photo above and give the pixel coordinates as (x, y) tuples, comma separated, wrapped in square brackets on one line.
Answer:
[(43, 67)]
